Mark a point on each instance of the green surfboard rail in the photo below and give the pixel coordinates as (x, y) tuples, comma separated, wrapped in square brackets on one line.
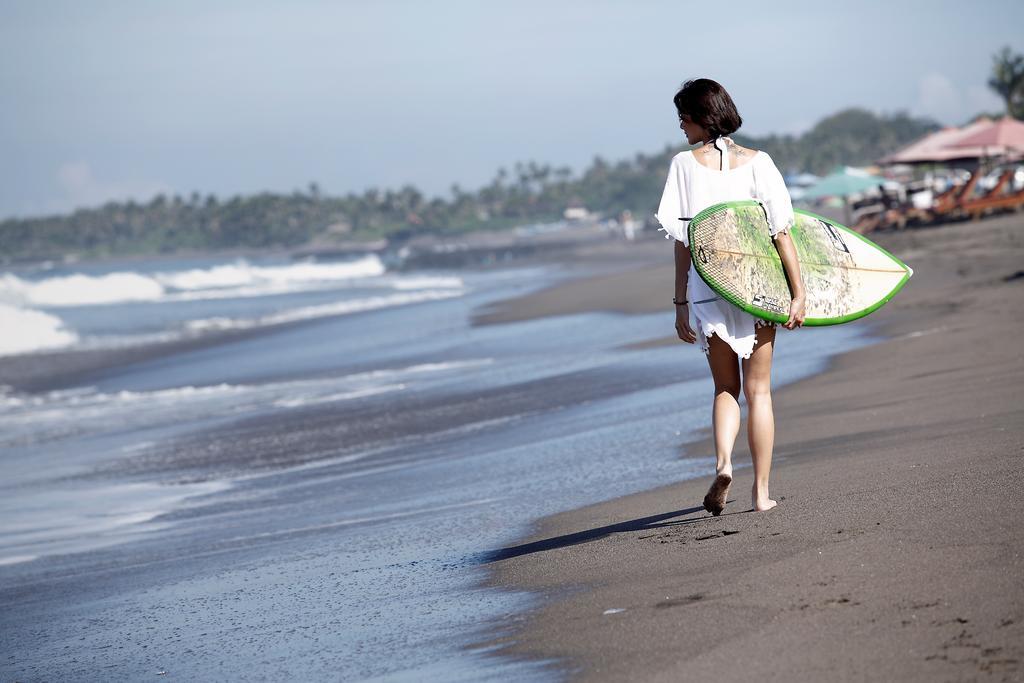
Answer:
[(795, 229)]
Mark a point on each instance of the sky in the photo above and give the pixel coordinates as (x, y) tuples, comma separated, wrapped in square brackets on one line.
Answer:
[(106, 100)]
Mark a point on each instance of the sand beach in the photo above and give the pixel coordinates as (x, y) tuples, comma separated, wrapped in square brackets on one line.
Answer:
[(895, 552)]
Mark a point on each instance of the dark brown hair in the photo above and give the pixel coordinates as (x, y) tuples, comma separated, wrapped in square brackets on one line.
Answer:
[(709, 105)]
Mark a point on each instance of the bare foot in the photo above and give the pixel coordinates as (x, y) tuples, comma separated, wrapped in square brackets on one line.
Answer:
[(714, 501), (760, 503)]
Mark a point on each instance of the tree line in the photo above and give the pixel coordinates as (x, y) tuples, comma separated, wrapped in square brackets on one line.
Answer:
[(528, 192)]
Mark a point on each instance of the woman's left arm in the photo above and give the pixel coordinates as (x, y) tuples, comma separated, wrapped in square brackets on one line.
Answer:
[(790, 263)]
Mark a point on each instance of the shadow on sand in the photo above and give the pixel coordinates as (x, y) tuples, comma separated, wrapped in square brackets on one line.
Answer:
[(641, 524)]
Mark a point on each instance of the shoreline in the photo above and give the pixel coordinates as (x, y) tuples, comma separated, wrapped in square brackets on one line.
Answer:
[(854, 574)]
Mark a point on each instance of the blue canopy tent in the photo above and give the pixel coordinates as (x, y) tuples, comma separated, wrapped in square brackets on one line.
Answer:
[(842, 182)]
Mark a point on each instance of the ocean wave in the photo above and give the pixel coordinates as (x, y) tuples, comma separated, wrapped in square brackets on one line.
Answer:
[(80, 290), (240, 279), (54, 415), (323, 310), (270, 288), (425, 281), (87, 397), (242, 273), (74, 519), (301, 389), (299, 401), (26, 330), (35, 331)]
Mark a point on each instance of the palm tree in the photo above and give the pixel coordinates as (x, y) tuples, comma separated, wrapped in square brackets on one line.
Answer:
[(1008, 80)]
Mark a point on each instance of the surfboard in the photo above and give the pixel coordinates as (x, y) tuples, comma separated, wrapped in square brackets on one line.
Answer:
[(846, 276)]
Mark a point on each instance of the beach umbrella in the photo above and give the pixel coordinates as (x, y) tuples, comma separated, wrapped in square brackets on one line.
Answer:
[(843, 182)]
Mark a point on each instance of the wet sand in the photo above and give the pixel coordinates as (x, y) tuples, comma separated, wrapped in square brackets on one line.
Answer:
[(895, 552)]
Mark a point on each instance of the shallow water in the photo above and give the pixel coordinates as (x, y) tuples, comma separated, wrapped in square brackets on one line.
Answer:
[(317, 499)]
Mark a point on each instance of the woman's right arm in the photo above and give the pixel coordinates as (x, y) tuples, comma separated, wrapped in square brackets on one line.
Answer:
[(773, 194), (791, 264), (669, 215)]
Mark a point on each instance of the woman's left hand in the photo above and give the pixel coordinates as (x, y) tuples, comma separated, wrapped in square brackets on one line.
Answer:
[(796, 314)]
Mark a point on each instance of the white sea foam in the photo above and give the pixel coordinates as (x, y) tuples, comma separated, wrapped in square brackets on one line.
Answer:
[(85, 396), (57, 415), (242, 273), (230, 280), (80, 290), (23, 330), (423, 282), (340, 396), (272, 285), (27, 331), (323, 310), (72, 519)]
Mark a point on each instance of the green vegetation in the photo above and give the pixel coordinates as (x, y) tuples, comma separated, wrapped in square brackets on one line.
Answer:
[(1007, 80), (531, 193)]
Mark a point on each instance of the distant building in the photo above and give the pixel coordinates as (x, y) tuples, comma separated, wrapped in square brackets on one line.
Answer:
[(341, 227), (576, 213)]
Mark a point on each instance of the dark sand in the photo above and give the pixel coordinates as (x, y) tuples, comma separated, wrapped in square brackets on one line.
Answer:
[(895, 552)]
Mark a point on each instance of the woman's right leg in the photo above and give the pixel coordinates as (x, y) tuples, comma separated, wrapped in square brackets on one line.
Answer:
[(725, 413)]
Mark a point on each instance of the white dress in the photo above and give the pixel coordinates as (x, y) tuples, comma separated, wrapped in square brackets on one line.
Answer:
[(692, 187)]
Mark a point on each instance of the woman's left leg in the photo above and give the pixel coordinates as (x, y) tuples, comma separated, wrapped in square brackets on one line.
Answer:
[(757, 388)]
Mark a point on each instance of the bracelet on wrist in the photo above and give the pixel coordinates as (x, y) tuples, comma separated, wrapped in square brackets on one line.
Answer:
[(677, 302)]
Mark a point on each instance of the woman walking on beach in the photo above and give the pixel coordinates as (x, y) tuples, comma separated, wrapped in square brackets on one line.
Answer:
[(732, 339)]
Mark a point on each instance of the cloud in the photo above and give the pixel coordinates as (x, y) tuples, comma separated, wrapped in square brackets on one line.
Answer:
[(939, 98), (982, 98), (81, 188), (797, 127)]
